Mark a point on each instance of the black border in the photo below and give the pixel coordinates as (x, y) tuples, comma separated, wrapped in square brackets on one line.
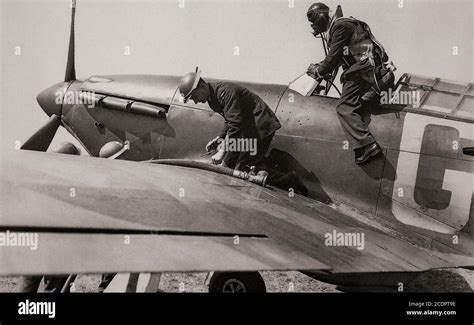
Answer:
[(279, 306)]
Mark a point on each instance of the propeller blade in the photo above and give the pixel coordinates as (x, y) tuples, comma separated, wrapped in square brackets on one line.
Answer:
[(70, 67), (42, 138)]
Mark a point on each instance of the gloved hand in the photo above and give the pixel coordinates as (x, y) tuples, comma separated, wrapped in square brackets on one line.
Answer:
[(313, 70), (217, 158), (212, 145)]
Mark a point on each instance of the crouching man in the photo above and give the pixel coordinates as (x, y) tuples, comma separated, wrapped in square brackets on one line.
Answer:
[(249, 122)]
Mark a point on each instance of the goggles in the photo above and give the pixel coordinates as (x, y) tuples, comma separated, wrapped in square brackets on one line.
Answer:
[(312, 15)]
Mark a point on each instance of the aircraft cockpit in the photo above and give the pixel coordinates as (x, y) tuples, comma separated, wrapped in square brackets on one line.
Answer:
[(433, 96)]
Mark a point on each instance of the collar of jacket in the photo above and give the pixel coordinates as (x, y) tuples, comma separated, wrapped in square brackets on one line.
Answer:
[(331, 25), (213, 102)]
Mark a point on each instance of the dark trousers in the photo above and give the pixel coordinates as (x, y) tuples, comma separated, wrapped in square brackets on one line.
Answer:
[(353, 114), (243, 160)]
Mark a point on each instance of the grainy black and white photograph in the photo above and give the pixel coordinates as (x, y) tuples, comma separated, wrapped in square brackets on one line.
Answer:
[(174, 149)]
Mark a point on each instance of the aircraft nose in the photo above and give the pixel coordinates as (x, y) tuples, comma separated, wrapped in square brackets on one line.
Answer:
[(51, 98)]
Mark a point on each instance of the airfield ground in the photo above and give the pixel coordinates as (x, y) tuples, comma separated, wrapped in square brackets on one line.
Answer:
[(195, 282), (457, 280)]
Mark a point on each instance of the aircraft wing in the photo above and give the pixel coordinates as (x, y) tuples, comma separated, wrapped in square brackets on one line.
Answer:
[(94, 215)]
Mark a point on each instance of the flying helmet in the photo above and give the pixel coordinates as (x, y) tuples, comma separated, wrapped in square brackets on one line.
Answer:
[(318, 15), (188, 83)]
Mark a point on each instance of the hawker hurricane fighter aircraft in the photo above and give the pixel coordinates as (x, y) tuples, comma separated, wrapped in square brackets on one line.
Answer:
[(159, 208)]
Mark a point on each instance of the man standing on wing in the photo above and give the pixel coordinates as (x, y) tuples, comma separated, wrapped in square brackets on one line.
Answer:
[(367, 70)]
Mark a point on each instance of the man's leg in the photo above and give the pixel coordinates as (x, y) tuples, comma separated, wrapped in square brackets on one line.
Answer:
[(355, 118), (246, 159), (350, 112), (262, 148), (231, 159)]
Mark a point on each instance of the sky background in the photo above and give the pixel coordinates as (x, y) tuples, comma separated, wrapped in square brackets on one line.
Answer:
[(273, 37)]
